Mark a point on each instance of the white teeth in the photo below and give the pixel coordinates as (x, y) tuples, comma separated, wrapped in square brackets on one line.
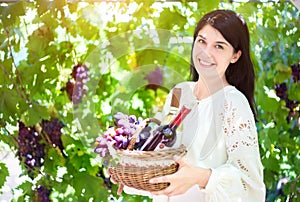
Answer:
[(205, 63)]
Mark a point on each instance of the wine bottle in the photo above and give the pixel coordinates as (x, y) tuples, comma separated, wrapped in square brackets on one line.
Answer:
[(166, 134)]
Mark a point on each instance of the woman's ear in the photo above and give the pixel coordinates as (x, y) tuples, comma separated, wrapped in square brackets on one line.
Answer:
[(236, 56)]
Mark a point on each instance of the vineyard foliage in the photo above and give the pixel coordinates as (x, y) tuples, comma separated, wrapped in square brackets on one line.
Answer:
[(66, 67)]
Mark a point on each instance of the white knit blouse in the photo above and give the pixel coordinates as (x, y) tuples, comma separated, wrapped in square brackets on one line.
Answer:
[(220, 134)]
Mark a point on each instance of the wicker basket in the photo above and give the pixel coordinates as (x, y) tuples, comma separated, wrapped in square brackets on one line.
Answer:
[(136, 168)]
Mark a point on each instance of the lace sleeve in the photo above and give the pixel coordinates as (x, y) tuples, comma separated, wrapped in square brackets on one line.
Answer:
[(241, 178)]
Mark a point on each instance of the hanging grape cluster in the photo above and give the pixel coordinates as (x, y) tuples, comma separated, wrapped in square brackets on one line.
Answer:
[(282, 92), (76, 87), (43, 194), (52, 129), (155, 79), (30, 147), (296, 72)]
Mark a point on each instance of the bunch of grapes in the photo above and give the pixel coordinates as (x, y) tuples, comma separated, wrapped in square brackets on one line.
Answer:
[(30, 148), (76, 87), (155, 79), (120, 135), (282, 92), (296, 72), (43, 194), (53, 130)]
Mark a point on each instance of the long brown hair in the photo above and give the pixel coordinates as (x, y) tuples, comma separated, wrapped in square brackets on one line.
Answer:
[(234, 29)]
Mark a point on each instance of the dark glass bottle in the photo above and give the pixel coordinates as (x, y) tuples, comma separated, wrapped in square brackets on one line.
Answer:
[(166, 134)]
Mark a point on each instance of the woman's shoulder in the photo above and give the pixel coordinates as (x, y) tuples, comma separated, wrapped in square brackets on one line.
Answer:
[(234, 95), (236, 98)]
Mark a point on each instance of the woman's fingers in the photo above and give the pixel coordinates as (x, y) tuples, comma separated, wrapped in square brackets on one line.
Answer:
[(159, 179), (108, 171), (179, 160), (120, 189), (113, 180)]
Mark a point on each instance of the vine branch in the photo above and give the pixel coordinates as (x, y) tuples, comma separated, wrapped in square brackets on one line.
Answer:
[(25, 96)]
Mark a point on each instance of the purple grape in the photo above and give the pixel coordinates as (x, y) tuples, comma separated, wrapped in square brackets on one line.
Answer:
[(76, 87), (53, 129), (118, 116), (296, 72), (132, 119), (120, 135), (281, 90), (121, 142), (291, 104), (155, 79), (30, 147), (43, 194), (102, 151)]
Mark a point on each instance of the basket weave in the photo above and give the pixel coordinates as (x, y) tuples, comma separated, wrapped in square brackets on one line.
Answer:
[(144, 165)]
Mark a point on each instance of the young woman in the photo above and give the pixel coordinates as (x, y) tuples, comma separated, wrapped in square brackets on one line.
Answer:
[(223, 161)]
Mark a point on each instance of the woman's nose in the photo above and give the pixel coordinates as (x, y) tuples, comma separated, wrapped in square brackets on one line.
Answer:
[(205, 53)]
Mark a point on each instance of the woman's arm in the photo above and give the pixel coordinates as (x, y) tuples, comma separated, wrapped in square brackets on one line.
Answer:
[(241, 177)]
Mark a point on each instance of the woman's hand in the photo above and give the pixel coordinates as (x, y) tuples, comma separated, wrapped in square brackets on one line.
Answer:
[(186, 177), (121, 186)]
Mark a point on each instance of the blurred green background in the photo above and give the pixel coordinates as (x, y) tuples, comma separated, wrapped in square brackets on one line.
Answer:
[(135, 51)]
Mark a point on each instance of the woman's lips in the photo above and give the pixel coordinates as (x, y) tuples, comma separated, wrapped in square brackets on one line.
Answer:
[(204, 63)]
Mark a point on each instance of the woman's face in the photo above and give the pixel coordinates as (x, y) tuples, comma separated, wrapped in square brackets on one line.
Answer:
[(212, 53)]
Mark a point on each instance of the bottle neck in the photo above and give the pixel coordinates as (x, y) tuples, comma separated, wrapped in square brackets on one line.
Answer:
[(184, 111)]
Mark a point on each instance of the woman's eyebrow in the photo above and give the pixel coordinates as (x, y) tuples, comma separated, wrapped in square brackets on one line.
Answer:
[(222, 42), (218, 42), (201, 36)]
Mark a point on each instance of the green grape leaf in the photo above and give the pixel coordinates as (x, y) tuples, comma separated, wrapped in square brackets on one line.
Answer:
[(266, 102), (273, 135), (3, 174), (11, 13), (82, 160), (283, 73), (26, 188), (268, 34), (59, 4), (69, 143), (49, 20), (87, 30), (36, 113), (91, 186), (78, 155), (247, 9), (43, 6), (294, 91), (118, 46), (53, 158), (8, 103), (208, 5), (271, 163)]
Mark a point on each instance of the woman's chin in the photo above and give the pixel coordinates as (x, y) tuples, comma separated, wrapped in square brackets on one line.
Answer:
[(208, 72)]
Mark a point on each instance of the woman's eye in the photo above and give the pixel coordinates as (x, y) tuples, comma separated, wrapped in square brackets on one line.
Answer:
[(219, 47), (201, 41)]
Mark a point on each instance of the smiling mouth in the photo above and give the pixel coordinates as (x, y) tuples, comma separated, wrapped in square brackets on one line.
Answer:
[(204, 63)]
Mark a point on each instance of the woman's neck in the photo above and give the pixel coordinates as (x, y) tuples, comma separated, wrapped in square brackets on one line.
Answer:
[(205, 88)]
